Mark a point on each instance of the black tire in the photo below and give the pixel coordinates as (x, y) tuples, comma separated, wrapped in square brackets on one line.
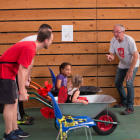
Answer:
[(102, 128)]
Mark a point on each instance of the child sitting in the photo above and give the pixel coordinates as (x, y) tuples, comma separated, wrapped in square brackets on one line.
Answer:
[(73, 93), (61, 79)]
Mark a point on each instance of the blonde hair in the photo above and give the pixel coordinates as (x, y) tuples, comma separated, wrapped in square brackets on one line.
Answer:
[(77, 80)]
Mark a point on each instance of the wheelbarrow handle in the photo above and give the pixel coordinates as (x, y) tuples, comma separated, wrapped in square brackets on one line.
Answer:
[(39, 87), (34, 87), (36, 84)]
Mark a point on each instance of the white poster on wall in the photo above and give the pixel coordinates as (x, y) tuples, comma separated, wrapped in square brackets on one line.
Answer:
[(67, 32)]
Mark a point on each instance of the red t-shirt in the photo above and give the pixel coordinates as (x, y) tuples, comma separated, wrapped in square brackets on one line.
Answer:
[(22, 53)]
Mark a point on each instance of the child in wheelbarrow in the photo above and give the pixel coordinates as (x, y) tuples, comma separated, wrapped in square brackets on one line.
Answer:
[(61, 79), (72, 94), (73, 91)]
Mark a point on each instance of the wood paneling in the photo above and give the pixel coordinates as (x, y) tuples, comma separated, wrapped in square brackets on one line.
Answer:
[(102, 60), (28, 4), (107, 70), (110, 70), (59, 59), (48, 14), (92, 21), (116, 14), (109, 81), (81, 70), (22, 26), (88, 81), (104, 47), (67, 48), (118, 3), (77, 37), (107, 36), (109, 24)]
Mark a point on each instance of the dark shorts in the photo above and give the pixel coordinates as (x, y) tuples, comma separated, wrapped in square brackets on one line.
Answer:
[(8, 91)]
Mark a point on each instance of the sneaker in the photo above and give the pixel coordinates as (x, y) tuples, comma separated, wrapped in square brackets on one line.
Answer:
[(128, 111), (120, 105), (11, 136), (24, 122), (28, 118), (21, 133)]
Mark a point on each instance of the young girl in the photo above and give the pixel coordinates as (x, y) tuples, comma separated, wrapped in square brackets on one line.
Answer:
[(73, 93), (61, 79)]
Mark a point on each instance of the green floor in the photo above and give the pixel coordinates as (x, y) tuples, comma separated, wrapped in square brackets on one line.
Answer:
[(43, 129)]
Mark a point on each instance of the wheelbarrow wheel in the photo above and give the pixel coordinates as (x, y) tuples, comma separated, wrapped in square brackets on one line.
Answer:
[(105, 128)]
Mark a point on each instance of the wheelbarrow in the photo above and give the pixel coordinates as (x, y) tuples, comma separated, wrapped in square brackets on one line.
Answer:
[(97, 109)]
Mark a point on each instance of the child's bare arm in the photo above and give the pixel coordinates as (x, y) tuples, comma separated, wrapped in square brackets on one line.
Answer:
[(58, 83), (75, 100)]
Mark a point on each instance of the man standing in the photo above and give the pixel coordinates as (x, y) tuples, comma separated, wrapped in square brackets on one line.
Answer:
[(22, 117), (16, 61), (125, 48)]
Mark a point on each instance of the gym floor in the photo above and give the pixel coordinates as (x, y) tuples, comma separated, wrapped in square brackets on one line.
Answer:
[(43, 129)]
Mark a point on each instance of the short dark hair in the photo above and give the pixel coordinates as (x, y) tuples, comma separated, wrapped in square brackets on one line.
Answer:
[(45, 26), (43, 34), (63, 65)]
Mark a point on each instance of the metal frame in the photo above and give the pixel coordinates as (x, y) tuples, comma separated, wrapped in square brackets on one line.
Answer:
[(74, 129)]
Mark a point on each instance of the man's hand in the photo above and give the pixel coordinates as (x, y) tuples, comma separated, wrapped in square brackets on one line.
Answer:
[(23, 96), (27, 82), (109, 57), (129, 75)]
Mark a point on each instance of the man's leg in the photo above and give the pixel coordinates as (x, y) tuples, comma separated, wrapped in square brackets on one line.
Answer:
[(21, 109), (130, 90), (9, 110), (119, 79), (18, 112), (15, 126)]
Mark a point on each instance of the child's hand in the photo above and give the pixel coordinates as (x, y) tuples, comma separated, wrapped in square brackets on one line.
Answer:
[(85, 102), (69, 85)]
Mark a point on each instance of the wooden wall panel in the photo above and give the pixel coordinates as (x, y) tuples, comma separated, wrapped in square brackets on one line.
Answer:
[(116, 14), (109, 24), (63, 48), (118, 3), (88, 81), (103, 60), (109, 81), (107, 36), (28, 4), (104, 47), (110, 70), (58, 59), (77, 37), (81, 70), (71, 48), (26, 26), (48, 14), (92, 21)]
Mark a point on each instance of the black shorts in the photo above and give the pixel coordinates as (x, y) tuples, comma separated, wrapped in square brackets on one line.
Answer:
[(8, 91)]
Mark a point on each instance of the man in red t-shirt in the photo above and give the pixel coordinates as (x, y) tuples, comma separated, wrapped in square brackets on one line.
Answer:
[(22, 117), (16, 61)]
